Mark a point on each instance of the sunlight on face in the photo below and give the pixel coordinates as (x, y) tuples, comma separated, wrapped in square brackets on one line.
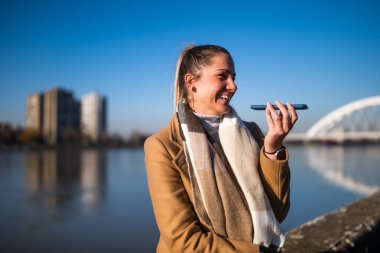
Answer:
[(215, 87)]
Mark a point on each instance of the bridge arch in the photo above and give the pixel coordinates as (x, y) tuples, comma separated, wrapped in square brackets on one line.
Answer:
[(328, 124)]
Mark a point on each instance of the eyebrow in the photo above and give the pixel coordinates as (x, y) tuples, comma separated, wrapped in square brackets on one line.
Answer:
[(226, 70)]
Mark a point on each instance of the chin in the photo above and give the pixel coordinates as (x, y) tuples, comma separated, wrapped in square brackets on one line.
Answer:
[(222, 108), (223, 111)]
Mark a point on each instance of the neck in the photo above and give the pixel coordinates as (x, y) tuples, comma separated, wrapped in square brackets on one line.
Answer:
[(211, 124)]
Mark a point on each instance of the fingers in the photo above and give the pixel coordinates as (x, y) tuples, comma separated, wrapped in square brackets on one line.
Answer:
[(273, 139), (269, 111), (285, 120), (279, 124), (285, 117), (273, 118), (293, 114)]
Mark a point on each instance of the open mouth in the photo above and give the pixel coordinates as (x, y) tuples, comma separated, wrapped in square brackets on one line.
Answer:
[(225, 96)]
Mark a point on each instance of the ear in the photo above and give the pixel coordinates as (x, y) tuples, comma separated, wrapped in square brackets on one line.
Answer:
[(189, 80)]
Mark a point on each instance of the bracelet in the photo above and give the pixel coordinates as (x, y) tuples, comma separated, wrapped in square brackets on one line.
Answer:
[(275, 152)]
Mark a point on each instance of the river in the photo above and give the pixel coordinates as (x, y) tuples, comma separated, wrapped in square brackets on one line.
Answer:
[(97, 200)]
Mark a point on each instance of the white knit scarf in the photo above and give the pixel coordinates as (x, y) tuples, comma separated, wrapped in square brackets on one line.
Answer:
[(228, 194)]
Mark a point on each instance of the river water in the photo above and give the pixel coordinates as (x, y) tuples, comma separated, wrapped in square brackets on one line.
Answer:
[(95, 200)]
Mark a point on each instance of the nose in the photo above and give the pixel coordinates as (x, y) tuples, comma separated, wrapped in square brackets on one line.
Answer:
[(231, 86)]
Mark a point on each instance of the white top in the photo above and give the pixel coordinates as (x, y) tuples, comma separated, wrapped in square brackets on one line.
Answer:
[(211, 124)]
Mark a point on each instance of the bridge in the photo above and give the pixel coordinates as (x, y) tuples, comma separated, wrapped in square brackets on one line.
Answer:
[(358, 121)]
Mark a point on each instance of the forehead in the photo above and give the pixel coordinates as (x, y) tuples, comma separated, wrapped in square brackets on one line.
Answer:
[(222, 61)]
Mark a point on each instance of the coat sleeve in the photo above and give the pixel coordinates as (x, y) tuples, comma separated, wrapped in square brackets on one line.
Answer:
[(177, 222), (275, 176)]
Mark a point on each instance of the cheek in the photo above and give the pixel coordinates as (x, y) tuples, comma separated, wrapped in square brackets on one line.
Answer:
[(212, 93), (209, 89)]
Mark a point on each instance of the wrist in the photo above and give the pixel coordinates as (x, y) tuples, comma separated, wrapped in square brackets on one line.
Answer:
[(270, 157), (269, 149), (278, 154)]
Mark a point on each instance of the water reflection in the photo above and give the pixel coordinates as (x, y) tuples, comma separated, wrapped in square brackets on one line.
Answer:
[(93, 178), (354, 168), (61, 177)]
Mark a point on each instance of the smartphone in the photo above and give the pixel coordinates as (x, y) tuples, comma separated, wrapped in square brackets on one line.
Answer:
[(296, 106)]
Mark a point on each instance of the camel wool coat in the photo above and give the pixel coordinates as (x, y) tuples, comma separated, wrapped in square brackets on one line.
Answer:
[(171, 195)]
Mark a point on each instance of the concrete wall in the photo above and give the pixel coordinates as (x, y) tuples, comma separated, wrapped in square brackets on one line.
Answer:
[(353, 228)]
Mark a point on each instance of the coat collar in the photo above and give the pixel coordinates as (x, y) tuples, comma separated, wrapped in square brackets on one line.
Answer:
[(176, 138), (175, 134)]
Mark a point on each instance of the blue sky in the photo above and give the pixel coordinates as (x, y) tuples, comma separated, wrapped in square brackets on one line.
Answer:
[(323, 53)]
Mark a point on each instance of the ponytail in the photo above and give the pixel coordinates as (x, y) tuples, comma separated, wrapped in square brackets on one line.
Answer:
[(180, 91)]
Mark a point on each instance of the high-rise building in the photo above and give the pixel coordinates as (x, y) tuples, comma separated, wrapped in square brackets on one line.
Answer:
[(93, 116), (35, 112), (61, 116)]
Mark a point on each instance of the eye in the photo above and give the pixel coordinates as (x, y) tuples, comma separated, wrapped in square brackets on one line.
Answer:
[(223, 77)]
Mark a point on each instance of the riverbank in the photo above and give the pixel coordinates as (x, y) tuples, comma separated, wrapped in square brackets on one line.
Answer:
[(41, 146), (353, 228)]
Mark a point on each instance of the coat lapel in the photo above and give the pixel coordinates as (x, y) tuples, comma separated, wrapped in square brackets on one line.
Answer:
[(176, 139)]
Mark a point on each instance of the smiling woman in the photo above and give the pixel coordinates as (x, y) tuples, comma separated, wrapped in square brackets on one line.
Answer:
[(216, 184), (210, 79)]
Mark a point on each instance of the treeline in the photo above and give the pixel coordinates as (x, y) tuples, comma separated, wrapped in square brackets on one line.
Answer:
[(16, 136)]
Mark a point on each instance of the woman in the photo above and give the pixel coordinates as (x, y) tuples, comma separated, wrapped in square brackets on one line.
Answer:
[(216, 184)]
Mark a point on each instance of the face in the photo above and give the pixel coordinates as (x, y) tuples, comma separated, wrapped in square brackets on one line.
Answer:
[(212, 92)]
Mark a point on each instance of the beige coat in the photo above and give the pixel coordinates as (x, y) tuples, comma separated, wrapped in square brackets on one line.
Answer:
[(170, 191)]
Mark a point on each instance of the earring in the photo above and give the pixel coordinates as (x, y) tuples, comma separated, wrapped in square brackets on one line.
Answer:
[(194, 89)]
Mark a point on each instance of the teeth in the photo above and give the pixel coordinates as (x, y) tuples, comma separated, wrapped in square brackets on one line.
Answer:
[(225, 97)]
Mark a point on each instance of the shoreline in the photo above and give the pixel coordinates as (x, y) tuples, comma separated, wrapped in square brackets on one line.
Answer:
[(26, 147), (351, 228)]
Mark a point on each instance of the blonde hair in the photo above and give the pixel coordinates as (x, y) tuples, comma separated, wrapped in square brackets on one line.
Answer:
[(191, 59)]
